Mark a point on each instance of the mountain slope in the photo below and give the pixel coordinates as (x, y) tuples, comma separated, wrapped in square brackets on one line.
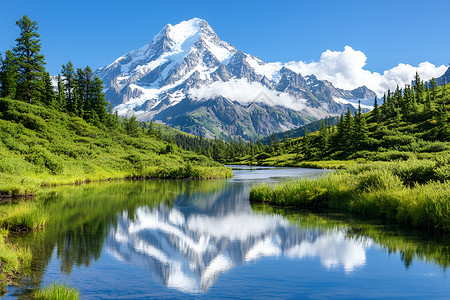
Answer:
[(445, 78), (186, 75)]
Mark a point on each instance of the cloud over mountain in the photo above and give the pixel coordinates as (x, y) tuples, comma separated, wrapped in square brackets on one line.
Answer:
[(345, 69), (246, 92)]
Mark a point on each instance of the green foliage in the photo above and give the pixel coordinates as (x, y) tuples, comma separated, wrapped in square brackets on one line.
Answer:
[(24, 216), (14, 260), (29, 60), (41, 146), (58, 292), (9, 76)]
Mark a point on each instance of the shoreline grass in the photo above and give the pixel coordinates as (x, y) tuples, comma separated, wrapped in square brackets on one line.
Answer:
[(14, 186), (57, 291), (41, 146), (14, 261), (415, 193)]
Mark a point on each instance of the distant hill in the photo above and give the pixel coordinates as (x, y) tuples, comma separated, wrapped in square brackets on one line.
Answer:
[(299, 132)]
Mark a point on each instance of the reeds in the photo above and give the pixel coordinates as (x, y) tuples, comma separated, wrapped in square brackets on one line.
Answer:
[(406, 192)]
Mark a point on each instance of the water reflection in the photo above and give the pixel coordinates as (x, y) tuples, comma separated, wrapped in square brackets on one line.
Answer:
[(188, 246), (187, 234)]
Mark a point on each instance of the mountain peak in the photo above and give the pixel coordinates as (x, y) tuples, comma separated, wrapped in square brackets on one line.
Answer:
[(184, 30)]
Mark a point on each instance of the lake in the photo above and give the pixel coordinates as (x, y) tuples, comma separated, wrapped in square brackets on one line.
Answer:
[(204, 239)]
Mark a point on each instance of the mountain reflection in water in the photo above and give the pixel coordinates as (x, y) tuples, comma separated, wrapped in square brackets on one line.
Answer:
[(189, 245)]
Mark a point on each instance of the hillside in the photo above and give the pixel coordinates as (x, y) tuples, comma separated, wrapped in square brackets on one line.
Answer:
[(41, 146), (411, 124), (298, 132)]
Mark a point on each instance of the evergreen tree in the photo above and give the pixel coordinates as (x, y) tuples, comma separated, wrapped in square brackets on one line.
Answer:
[(338, 137), (9, 75), (98, 100), (47, 93), (60, 95), (376, 113), (29, 60), (131, 127), (418, 88), (361, 131), (68, 74), (84, 84), (433, 87), (348, 128), (151, 129)]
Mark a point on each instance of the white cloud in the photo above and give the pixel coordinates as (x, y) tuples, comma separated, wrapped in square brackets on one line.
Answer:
[(345, 69), (245, 92)]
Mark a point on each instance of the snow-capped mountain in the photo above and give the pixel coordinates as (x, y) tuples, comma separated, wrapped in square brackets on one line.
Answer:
[(445, 78), (188, 78)]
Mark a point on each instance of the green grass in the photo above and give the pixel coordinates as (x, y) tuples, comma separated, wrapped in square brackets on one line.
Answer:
[(14, 260), (22, 216), (42, 147), (58, 292), (415, 193)]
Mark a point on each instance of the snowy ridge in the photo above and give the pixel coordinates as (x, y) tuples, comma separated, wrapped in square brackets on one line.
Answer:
[(187, 64)]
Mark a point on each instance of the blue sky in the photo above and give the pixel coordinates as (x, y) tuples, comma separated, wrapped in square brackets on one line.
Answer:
[(95, 33)]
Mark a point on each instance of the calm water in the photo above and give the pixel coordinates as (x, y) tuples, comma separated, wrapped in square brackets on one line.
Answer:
[(203, 239)]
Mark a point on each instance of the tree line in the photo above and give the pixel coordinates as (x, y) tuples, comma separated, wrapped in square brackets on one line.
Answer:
[(23, 77)]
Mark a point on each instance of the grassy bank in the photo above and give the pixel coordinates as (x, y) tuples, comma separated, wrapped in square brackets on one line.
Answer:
[(40, 146), (14, 261), (415, 193)]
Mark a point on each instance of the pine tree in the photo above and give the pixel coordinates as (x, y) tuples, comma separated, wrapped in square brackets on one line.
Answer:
[(68, 74), (348, 128), (29, 60), (433, 87), (151, 129), (9, 75), (418, 87), (47, 93), (60, 95), (98, 100), (131, 127), (85, 87), (376, 113), (338, 137), (361, 131)]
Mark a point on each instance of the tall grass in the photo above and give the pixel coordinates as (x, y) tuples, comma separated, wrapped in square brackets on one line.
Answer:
[(13, 260), (58, 292), (22, 216), (407, 192)]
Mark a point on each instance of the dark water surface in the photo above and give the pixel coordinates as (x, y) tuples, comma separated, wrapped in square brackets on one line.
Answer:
[(203, 239)]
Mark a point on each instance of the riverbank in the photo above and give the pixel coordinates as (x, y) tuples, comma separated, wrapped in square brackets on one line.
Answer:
[(22, 186), (41, 146), (14, 261), (414, 193)]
